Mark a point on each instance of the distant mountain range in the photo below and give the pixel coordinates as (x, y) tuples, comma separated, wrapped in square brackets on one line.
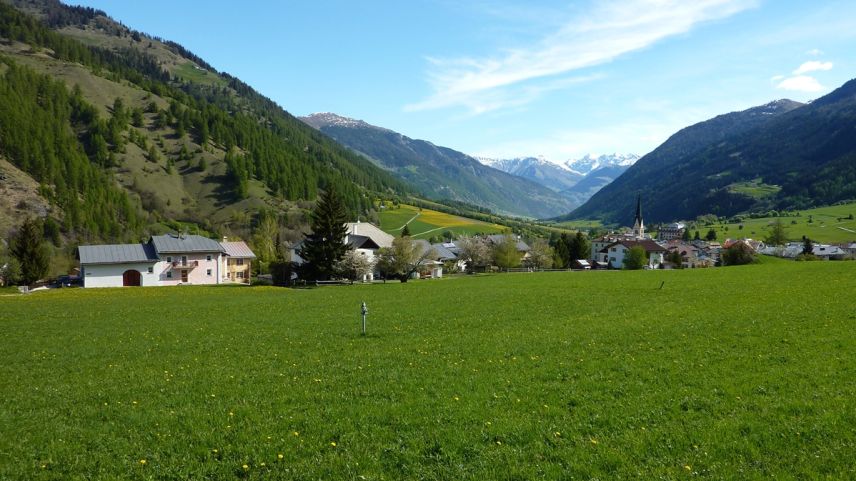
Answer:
[(442, 173), (782, 155), (576, 179)]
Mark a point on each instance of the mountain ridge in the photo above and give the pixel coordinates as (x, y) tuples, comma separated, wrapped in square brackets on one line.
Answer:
[(780, 155), (440, 172)]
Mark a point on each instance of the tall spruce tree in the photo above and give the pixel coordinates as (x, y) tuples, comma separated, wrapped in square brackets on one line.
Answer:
[(325, 246), (29, 249)]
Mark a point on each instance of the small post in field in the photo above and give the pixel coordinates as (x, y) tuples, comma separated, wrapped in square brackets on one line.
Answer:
[(365, 310), (661, 285)]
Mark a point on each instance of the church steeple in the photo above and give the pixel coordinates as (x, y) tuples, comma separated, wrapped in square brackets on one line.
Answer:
[(638, 224)]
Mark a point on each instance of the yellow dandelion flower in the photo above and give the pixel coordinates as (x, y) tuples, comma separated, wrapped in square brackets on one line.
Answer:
[(333, 443), (557, 433), (593, 441), (687, 467), (279, 456), (296, 433), (143, 462), (231, 413), (457, 398), (245, 467), (262, 464), (214, 451)]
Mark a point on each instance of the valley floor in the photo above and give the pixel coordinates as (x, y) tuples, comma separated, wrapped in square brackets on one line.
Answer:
[(733, 373)]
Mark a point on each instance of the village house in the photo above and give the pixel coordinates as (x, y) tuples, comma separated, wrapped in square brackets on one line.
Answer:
[(165, 260), (522, 247), (238, 261), (671, 232), (617, 251)]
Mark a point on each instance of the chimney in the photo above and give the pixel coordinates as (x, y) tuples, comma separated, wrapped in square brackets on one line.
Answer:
[(225, 239)]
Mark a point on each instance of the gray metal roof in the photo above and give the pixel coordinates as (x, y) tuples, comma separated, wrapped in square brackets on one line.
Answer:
[(172, 243), (238, 249), (117, 254), (443, 252)]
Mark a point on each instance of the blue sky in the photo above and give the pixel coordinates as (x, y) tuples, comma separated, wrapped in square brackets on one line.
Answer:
[(503, 78)]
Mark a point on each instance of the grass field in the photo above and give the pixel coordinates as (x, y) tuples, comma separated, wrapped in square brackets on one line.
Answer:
[(734, 373), (828, 225), (427, 223)]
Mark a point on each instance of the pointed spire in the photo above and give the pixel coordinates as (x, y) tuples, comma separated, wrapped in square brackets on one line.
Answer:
[(638, 209)]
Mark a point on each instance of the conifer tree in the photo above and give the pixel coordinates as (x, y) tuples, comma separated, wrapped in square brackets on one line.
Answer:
[(325, 246), (29, 249), (406, 231)]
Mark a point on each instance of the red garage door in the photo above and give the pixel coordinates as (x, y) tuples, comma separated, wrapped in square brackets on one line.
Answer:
[(131, 278)]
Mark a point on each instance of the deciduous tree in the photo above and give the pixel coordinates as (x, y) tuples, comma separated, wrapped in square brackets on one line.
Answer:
[(636, 258)]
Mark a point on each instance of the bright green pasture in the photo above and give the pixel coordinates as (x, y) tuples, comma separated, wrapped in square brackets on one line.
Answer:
[(828, 224), (736, 373), (427, 223)]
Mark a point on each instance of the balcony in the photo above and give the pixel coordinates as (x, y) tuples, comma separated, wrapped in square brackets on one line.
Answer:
[(185, 264)]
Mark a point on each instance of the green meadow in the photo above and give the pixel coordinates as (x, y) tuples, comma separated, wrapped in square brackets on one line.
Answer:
[(830, 224), (740, 373), (427, 223)]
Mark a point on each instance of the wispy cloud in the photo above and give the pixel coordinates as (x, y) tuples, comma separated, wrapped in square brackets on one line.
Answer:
[(607, 31), (813, 66), (815, 52)]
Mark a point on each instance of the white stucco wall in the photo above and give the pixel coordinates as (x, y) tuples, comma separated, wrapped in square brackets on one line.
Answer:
[(110, 275)]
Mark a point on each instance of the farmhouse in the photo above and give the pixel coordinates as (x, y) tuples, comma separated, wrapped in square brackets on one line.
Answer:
[(238, 261), (165, 260), (616, 252)]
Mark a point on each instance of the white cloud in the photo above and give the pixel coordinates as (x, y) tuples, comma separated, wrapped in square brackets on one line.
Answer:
[(815, 52), (812, 66), (801, 83), (608, 31)]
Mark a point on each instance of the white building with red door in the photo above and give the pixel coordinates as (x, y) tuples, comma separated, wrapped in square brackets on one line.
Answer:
[(165, 260)]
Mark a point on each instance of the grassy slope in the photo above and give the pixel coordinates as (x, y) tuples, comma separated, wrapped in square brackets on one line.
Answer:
[(825, 225), (428, 223), (734, 373), (19, 197)]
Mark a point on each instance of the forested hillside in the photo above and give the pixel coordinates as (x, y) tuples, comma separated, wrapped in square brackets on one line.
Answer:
[(443, 173), (783, 155), (127, 134)]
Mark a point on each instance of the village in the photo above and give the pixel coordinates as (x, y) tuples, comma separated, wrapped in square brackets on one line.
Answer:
[(189, 259)]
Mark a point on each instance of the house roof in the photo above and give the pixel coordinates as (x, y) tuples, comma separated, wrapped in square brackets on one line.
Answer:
[(647, 244), (381, 238), (361, 242), (238, 249), (497, 238), (444, 253), (117, 254), (172, 243)]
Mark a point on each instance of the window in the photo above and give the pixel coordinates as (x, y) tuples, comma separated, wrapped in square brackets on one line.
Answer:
[(151, 269), (239, 262), (169, 274), (169, 258), (240, 274), (208, 258), (208, 272)]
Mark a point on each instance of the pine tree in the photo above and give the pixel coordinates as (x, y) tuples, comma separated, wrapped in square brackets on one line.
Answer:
[(29, 249), (406, 231), (325, 246)]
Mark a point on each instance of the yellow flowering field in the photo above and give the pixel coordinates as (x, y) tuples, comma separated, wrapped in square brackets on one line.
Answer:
[(733, 373)]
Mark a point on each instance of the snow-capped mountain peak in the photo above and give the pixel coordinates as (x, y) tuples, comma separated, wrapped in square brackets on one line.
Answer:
[(589, 163)]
